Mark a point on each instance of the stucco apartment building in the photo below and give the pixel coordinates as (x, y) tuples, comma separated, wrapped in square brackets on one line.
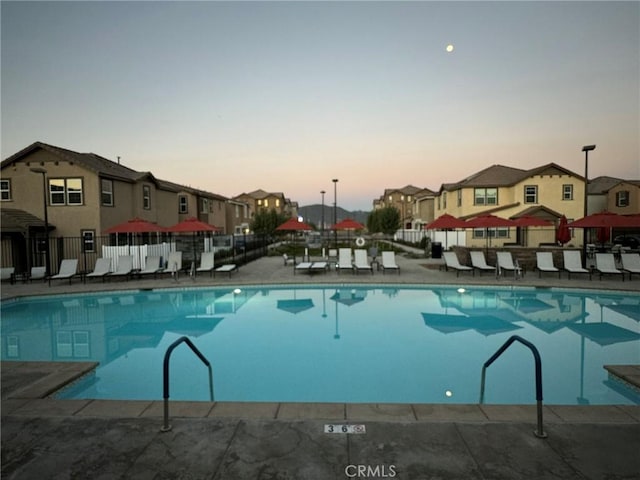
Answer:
[(259, 200)]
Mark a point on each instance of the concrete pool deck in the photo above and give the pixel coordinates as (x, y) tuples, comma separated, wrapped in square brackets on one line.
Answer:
[(47, 438)]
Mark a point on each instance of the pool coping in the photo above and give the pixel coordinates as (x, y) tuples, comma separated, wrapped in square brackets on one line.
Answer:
[(32, 397)]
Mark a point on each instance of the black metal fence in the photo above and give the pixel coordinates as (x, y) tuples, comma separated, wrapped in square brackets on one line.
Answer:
[(23, 253)]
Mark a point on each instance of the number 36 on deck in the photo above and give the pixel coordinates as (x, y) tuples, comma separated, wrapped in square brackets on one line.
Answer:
[(333, 428)]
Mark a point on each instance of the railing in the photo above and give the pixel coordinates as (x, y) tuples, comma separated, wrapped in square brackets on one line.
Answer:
[(165, 377), (539, 432)]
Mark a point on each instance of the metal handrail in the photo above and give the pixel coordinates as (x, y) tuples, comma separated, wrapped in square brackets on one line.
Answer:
[(165, 376), (539, 432)]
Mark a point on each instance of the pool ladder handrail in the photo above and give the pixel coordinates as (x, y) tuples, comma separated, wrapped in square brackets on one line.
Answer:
[(539, 432), (165, 376)]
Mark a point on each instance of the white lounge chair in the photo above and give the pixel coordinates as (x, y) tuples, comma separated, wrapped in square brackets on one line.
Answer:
[(228, 268), (321, 266), (174, 263), (8, 273), (451, 261), (302, 267), (505, 262), (206, 263), (606, 265), (389, 261), (544, 263), (573, 263), (151, 266), (101, 269), (124, 267), (38, 273), (68, 270), (344, 260), (631, 263), (479, 263), (360, 261)]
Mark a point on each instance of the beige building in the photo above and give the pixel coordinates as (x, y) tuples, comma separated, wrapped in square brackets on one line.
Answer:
[(260, 200), (548, 192), (415, 204)]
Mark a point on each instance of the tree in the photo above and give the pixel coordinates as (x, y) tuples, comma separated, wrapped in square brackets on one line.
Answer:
[(265, 222), (385, 220)]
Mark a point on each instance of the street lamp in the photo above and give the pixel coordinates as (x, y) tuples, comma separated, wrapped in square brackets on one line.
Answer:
[(46, 217), (322, 192), (335, 212), (586, 149), (402, 220)]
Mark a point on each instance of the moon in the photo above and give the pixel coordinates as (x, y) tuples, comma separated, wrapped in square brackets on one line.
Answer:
[(449, 48)]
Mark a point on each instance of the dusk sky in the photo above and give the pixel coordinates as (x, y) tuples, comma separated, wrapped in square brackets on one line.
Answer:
[(231, 97)]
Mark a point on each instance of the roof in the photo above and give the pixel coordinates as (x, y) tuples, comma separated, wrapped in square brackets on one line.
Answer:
[(14, 220), (503, 176), (601, 185)]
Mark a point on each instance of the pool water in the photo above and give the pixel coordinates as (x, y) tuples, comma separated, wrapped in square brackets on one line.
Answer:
[(335, 344)]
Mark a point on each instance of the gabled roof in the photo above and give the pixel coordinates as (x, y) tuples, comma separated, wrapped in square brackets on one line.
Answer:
[(406, 190), (601, 185), (175, 187), (14, 220), (537, 211), (90, 161), (503, 176)]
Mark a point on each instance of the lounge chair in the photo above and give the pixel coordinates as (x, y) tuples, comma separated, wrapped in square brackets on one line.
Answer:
[(479, 263), (360, 261), (573, 263), (631, 263), (124, 268), (8, 273), (332, 256), (321, 266), (68, 270), (505, 262), (101, 269), (151, 266), (389, 262), (344, 260), (544, 263), (174, 263), (302, 267), (451, 261), (228, 268), (606, 264), (206, 263), (38, 273)]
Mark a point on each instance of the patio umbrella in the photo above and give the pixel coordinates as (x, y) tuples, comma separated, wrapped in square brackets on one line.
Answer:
[(527, 221), (293, 225), (563, 234), (295, 305), (446, 222), (192, 225), (348, 224), (606, 219), (135, 225), (489, 221)]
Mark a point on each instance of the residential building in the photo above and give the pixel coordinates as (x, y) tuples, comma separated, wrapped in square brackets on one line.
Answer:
[(548, 191), (614, 195), (408, 200), (259, 200)]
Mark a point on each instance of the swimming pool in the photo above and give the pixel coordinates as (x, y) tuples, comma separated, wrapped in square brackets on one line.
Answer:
[(325, 343)]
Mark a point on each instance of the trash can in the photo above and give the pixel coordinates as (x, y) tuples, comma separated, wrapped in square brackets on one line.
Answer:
[(436, 250)]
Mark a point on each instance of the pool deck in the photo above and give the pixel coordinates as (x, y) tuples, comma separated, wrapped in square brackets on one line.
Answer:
[(223, 440)]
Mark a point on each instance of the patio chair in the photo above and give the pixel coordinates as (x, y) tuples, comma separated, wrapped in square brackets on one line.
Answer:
[(68, 270), (479, 263), (302, 267), (206, 263), (124, 267), (228, 268), (544, 263), (321, 266), (151, 266), (38, 273), (8, 273), (344, 260), (451, 261), (573, 263), (606, 265), (288, 260), (360, 261), (174, 263), (101, 269), (631, 263), (389, 262)]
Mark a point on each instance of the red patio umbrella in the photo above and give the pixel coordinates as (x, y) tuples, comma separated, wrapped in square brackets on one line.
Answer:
[(348, 224), (606, 219), (135, 225), (446, 222), (563, 234), (527, 221), (192, 225), (293, 225)]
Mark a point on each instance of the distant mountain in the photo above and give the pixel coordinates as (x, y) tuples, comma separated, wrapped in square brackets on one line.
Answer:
[(313, 214)]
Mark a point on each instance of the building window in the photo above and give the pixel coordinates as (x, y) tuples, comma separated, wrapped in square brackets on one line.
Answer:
[(65, 191), (5, 189), (502, 232), (146, 197), (567, 192), (438, 203), (390, 198), (460, 197), (622, 198), (106, 187), (485, 196), (444, 200), (204, 207), (266, 202), (277, 202), (531, 194), (183, 206), (88, 240), (259, 202)]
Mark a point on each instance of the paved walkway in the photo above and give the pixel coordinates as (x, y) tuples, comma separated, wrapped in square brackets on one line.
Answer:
[(47, 438)]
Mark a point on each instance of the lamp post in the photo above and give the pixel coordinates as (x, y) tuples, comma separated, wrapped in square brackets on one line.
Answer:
[(402, 219), (586, 149), (322, 192), (335, 212), (46, 217)]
